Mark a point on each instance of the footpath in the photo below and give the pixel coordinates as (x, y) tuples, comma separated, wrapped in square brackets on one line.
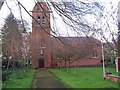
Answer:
[(45, 79)]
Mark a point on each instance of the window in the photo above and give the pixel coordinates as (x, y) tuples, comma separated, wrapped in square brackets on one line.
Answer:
[(38, 17), (43, 20), (95, 54), (38, 20)]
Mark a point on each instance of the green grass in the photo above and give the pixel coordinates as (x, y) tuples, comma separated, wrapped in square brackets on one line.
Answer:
[(112, 69), (85, 78), (20, 78)]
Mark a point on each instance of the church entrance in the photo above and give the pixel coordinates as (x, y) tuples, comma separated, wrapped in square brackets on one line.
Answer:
[(41, 63)]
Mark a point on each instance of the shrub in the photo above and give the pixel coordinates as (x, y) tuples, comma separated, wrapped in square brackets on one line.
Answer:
[(5, 75)]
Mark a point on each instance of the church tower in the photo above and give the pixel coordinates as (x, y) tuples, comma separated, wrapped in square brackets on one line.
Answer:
[(40, 40)]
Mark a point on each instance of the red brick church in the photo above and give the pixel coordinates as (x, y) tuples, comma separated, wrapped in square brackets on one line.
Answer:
[(41, 53), (44, 46)]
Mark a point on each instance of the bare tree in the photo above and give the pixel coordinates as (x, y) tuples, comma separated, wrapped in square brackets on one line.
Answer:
[(12, 33), (11, 39), (73, 14)]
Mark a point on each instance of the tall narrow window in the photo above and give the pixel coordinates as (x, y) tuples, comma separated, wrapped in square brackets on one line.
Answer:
[(43, 20), (95, 54), (38, 20)]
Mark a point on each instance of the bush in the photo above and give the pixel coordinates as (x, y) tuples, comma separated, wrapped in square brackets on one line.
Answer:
[(5, 75), (18, 64), (20, 78)]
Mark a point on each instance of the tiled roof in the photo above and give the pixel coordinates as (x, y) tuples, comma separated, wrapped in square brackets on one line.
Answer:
[(109, 45), (77, 40)]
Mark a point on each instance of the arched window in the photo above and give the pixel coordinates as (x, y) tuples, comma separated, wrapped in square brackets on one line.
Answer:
[(43, 20), (38, 20)]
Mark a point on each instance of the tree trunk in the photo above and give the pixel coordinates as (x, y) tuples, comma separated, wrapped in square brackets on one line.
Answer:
[(65, 65), (68, 66), (60, 65), (8, 64), (76, 67), (13, 65)]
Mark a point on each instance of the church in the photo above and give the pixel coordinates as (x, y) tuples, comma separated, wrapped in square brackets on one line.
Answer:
[(44, 47)]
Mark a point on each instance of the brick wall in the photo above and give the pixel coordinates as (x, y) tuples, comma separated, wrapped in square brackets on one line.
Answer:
[(112, 78), (83, 62)]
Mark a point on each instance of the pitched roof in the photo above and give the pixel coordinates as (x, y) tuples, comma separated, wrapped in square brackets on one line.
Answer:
[(77, 40), (40, 6), (109, 45)]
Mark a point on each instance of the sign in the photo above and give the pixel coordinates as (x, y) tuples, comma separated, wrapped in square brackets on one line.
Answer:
[(118, 61)]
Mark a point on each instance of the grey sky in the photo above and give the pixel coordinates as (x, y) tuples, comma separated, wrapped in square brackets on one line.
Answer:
[(29, 4)]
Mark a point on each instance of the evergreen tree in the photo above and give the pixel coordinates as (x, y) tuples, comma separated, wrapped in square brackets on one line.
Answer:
[(11, 38)]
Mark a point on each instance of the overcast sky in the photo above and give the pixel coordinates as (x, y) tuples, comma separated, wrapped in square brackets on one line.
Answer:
[(29, 4)]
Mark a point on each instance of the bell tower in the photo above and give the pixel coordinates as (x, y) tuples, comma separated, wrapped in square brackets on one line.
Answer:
[(40, 40)]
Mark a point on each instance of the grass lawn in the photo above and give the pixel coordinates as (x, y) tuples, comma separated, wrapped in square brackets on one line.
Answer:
[(91, 77), (20, 78), (112, 69)]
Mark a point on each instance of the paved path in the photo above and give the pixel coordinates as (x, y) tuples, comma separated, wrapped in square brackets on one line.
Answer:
[(45, 79)]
